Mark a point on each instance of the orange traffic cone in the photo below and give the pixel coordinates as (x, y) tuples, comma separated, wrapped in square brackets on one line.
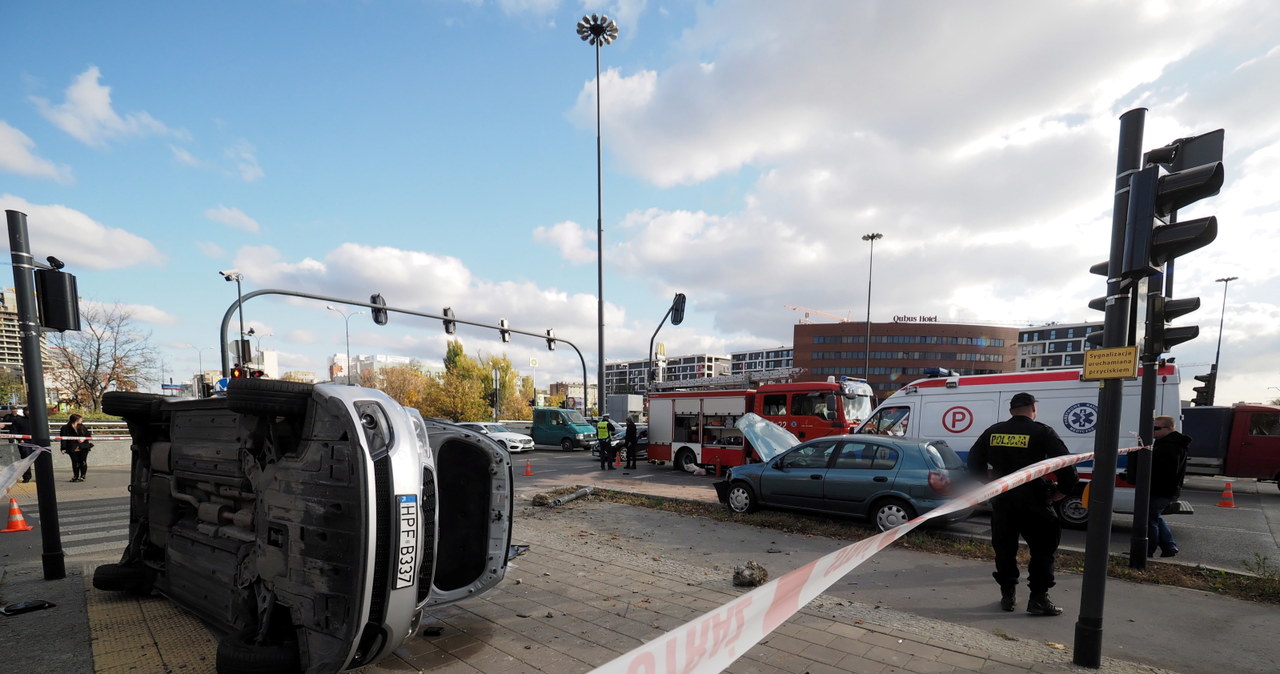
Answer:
[(1228, 499), (16, 521), (528, 467)]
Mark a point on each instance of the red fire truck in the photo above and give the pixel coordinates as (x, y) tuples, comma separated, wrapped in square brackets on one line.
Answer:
[(696, 428)]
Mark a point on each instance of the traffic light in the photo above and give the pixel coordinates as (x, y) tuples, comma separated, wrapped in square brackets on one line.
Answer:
[(1204, 394), (1153, 197), (491, 398), (677, 309), (502, 330), (1160, 337), (551, 340), (379, 315), (257, 374), (237, 372), (450, 327)]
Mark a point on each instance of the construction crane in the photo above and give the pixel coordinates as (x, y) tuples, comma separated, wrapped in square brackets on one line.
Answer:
[(807, 311)]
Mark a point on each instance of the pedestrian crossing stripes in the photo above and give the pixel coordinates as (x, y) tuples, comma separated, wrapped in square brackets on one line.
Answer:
[(90, 530)]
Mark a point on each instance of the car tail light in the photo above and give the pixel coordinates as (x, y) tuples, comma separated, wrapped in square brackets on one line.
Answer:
[(940, 483)]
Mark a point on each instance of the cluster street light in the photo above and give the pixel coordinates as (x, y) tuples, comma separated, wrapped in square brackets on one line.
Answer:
[(347, 317), (866, 367), (598, 30)]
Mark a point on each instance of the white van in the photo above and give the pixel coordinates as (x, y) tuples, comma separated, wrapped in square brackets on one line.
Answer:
[(958, 409)]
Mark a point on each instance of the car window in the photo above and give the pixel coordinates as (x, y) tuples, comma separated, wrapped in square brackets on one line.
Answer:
[(886, 458), (942, 456), (775, 404), (887, 421), (497, 428), (855, 456), (867, 456), (810, 455)]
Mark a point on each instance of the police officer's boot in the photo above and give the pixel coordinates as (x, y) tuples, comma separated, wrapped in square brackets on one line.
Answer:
[(1008, 598), (1040, 604)]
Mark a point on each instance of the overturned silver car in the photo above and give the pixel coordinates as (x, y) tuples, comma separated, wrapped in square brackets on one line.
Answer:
[(311, 525)]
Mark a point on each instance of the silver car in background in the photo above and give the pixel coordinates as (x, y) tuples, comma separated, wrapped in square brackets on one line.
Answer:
[(312, 525)]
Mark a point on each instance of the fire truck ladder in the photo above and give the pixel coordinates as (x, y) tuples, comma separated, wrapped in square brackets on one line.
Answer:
[(732, 381)]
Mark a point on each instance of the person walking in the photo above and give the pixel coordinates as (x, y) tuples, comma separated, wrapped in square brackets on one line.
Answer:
[(631, 439), (1025, 511), (19, 424), (604, 442), (1168, 468), (77, 449)]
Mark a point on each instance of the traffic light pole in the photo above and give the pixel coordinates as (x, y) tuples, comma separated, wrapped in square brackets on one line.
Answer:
[(380, 306), (1140, 461), (1088, 629)]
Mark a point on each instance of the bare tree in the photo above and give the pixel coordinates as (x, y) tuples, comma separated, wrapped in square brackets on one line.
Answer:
[(108, 354)]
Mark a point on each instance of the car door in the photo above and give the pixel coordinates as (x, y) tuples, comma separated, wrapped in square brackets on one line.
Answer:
[(862, 470), (795, 477)]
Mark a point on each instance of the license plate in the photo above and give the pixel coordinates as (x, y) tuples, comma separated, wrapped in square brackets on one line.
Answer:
[(407, 550)]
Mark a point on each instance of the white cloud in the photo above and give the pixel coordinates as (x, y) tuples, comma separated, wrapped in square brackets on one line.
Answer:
[(78, 240), (143, 313), (244, 156), (184, 157), (576, 245), (16, 157), (87, 115), (234, 218)]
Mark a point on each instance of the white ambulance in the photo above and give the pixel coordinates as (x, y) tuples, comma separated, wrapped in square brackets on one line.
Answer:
[(958, 408)]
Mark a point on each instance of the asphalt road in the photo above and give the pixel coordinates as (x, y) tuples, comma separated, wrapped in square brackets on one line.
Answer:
[(1233, 539)]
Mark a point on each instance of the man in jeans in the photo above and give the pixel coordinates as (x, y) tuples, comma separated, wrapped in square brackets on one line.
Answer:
[(1168, 466)]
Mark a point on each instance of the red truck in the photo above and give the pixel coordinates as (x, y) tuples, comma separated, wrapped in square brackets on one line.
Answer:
[(1242, 440), (696, 428)]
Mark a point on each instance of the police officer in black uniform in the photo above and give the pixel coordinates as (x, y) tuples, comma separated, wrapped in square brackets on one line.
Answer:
[(1026, 510)]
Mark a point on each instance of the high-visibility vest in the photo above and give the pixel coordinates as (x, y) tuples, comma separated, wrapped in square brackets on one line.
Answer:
[(602, 429)]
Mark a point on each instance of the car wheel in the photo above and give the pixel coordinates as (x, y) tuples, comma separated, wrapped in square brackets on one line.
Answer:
[(268, 397), (237, 653), (1072, 512), (893, 512), (685, 460), (566, 445), (130, 403), (742, 499)]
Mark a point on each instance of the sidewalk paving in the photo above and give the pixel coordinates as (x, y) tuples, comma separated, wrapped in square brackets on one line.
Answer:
[(600, 578)]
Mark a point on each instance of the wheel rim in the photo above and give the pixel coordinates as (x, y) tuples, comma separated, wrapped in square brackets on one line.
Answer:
[(890, 516), (739, 499), (1073, 510), (686, 461)]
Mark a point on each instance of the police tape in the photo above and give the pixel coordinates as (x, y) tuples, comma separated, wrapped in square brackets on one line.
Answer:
[(711, 642), (12, 436)]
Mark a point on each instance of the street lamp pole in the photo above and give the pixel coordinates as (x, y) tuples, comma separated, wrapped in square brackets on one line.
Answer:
[(346, 317), (200, 359), (233, 275), (866, 367), (1221, 319), (598, 30)]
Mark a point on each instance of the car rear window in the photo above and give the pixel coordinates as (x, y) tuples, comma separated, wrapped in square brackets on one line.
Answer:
[(942, 456)]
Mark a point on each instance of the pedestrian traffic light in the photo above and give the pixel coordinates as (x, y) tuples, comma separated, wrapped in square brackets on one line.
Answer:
[(1161, 337), (551, 340), (502, 330), (450, 327), (257, 374), (379, 315), (1153, 197), (1204, 394), (677, 309)]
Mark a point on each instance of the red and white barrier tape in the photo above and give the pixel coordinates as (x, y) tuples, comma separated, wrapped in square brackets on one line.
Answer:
[(711, 642), (68, 437)]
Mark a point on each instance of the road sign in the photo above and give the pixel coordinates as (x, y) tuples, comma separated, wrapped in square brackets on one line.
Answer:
[(1119, 362)]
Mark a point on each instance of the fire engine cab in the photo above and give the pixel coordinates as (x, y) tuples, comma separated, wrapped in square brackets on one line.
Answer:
[(958, 409), (696, 428)]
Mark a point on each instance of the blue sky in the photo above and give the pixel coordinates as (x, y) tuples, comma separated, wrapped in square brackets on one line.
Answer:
[(442, 153)]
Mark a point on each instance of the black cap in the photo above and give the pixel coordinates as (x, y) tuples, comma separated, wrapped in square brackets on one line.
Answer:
[(1022, 400)]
